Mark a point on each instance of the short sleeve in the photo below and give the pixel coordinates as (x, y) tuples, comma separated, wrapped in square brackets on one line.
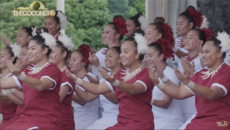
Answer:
[(18, 82), (67, 81), (52, 72), (222, 81), (143, 78)]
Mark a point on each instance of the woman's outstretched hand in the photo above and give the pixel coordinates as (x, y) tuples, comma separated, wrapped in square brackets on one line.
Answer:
[(106, 76), (70, 75)]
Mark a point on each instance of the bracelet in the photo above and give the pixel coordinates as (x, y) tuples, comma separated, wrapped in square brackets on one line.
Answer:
[(78, 81), (116, 83), (164, 79), (22, 76), (160, 84), (11, 90), (4, 92), (190, 85), (175, 49)]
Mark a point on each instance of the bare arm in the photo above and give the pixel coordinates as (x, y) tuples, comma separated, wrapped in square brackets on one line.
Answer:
[(111, 97), (78, 100), (130, 89), (14, 99), (63, 92), (85, 96), (8, 83)]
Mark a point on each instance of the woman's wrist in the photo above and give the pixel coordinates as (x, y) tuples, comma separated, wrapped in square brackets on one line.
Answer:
[(78, 81), (21, 76)]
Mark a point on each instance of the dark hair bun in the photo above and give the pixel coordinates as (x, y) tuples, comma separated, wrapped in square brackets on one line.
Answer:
[(159, 20)]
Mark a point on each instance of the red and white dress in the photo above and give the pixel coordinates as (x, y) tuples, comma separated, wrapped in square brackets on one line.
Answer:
[(42, 108), (212, 114), (66, 104), (7, 111), (19, 108), (188, 107), (135, 111), (170, 118), (86, 115)]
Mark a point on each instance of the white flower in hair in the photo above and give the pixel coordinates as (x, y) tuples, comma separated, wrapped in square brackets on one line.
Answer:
[(142, 46), (34, 29), (67, 42), (223, 37), (49, 39), (205, 23), (63, 20), (16, 49), (143, 21)]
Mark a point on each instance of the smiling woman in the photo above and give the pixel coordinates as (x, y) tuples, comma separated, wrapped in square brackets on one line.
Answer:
[(38, 82), (210, 85)]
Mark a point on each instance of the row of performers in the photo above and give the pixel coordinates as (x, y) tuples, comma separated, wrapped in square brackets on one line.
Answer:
[(130, 86)]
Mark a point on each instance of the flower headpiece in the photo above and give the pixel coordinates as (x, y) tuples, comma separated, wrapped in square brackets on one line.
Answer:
[(205, 23), (16, 49), (168, 34), (49, 39), (63, 20), (66, 41), (142, 46), (34, 29), (85, 53), (166, 48), (143, 21), (120, 24), (197, 17), (208, 33), (223, 37)]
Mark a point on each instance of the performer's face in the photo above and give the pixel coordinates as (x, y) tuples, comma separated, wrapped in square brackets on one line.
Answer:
[(52, 25), (183, 26), (192, 41), (5, 55), (76, 62), (128, 53), (109, 35), (22, 37), (24, 59), (36, 52), (112, 58), (57, 55), (153, 56), (130, 27), (151, 34), (210, 54)]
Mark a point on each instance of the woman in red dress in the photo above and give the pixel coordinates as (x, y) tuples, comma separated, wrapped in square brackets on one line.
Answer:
[(59, 56), (133, 87), (41, 84), (7, 108), (210, 85)]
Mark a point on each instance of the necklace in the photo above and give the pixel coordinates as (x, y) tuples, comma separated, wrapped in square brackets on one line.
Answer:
[(207, 74), (130, 75), (7, 76), (35, 70)]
